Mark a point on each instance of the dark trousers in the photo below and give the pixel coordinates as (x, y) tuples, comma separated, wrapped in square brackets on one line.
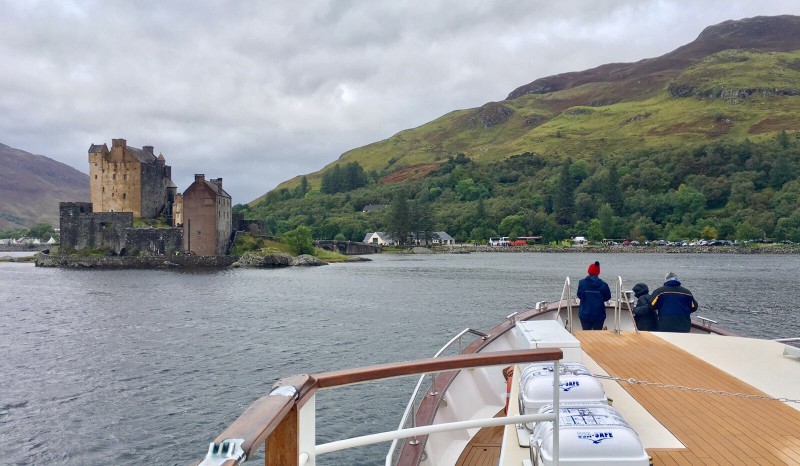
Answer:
[(592, 325)]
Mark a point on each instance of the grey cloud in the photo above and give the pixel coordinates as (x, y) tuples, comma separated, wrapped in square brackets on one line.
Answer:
[(259, 92)]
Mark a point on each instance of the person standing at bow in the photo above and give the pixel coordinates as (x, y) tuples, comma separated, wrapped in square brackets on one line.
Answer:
[(675, 305), (643, 314), (593, 293)]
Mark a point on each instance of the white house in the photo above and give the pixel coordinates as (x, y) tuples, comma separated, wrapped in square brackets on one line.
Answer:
[(441, 237), (579, 240), (380, 238), (52, 241)]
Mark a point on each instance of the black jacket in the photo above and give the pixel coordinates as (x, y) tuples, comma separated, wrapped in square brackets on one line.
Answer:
[(644, 315)]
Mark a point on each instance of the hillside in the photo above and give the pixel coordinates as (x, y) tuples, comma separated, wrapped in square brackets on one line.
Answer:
[(33, 185), (701, 142), (737, 80)]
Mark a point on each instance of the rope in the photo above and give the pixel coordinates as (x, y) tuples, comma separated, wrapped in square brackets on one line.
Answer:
[(694, 389)]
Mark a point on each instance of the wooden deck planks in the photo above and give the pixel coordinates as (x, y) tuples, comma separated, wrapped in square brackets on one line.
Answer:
[(484, 447), (716, 429)]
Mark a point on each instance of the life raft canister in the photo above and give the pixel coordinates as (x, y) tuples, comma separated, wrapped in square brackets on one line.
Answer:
[(508, 373)]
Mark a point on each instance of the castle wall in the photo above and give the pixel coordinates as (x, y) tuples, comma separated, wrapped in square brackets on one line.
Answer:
[(153, 241), (153, 189), (115, 179), (177, 211), (121, 182), (223, 224), (253, 227), (83, 229)]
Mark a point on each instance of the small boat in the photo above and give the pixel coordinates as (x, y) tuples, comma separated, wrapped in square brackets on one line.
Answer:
[(534, 390)]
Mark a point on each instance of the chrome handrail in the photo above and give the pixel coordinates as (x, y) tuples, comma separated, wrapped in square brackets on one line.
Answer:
[(411, 403), (620, 293), (786, 340), (566, 292), (706, 321)]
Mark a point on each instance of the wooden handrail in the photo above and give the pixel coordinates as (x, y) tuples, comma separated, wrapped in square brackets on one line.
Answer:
[(266, 415), (440, 364)]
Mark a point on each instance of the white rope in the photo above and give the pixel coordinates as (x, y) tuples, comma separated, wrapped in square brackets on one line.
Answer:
[(694, 389)]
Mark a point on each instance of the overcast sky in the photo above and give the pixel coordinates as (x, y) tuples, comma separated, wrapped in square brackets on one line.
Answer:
[(257, 92)]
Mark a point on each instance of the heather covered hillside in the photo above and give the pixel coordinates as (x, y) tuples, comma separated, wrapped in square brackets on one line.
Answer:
[(700, 142), (33, 185)]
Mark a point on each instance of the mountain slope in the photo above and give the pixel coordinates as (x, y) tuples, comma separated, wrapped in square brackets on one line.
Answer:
[(737, 80), (33, 185)]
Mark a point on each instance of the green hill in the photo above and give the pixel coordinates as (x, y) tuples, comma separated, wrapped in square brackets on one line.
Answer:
[(734, 90), (728, 83)]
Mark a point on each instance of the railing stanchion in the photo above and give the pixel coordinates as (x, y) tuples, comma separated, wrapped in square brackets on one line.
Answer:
[(556, 412), (565, 293), (414, 440)]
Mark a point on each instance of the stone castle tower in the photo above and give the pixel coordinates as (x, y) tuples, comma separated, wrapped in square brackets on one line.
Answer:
[(127, 179)]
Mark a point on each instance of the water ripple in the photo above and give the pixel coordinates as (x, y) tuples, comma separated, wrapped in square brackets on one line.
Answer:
[(129, 367)]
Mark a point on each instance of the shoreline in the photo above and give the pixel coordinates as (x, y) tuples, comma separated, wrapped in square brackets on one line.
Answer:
[(775, 249), (222, 262)]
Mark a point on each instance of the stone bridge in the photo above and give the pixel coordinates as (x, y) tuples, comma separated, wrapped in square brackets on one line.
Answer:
[(349, 248)]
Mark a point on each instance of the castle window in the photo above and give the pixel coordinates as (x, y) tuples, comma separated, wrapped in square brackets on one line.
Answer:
[(126, 177), (104, 189), (112, 194), (95, 176), (114, 176), (124, 195)]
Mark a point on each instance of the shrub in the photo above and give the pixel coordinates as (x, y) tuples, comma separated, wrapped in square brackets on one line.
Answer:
[(299, 240)]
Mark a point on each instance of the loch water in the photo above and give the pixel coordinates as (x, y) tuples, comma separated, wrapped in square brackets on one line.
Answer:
[(130, 367)]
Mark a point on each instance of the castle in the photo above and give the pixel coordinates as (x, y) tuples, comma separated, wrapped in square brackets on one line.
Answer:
[(127, 179), (127, 183)]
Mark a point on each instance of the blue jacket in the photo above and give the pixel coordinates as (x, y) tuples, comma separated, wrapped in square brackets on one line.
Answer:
[(675, 305), (593, 293)]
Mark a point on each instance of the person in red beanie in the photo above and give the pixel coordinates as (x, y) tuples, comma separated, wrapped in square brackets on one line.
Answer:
[(593, 293)]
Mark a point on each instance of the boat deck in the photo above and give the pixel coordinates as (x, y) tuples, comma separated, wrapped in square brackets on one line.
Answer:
[(484, 448), (714, 429)]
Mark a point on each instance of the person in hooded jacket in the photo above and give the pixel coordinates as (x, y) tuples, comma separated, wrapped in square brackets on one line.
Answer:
[(593, 293), (644, 315), (675, 305)]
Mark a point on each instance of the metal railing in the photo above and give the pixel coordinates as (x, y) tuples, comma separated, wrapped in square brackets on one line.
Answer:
[(285, 420), (621, 296), (706, 321), (566, 297), (411, 408)]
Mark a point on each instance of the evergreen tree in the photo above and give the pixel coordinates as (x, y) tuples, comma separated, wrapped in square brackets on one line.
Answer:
[(564, 198), (399, 217), (480, 213), (422, 221), (612, 193)]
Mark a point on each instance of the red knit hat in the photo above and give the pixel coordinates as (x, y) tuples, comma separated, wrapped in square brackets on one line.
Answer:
[(594, 269)]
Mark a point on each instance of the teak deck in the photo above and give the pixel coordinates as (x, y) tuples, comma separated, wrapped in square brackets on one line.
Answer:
[(716, 429)]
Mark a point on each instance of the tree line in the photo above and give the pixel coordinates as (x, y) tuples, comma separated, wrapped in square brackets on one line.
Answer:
[(725, 190)]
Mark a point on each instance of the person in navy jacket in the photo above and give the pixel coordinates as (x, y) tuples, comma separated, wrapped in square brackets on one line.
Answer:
[(675, 305), (593, 293)]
